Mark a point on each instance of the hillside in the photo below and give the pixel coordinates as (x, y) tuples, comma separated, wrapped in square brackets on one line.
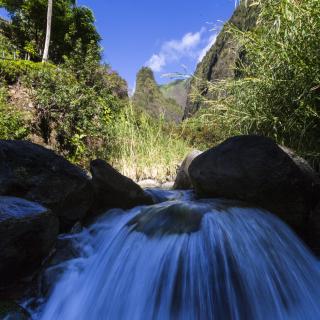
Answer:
[(69, 103), (149, 97), (177, 90), (221, 60)]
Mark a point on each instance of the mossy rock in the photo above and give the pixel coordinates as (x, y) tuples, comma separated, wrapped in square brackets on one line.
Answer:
[(9, 310)]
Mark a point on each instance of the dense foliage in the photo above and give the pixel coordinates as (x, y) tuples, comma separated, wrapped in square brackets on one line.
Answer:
[(71, 24), (12, 122), (75, 104), (72, 105), (221, 61), (278, 92)]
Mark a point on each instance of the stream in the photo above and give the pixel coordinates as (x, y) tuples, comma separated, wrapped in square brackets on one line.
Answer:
[(187, 259)]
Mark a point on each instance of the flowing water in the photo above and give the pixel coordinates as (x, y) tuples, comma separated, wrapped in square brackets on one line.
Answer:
[(187, 259)]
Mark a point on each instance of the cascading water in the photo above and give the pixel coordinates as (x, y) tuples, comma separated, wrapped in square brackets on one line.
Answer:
[(185, 259)]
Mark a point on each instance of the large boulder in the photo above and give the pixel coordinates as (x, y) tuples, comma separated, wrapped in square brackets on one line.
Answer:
[(256, 170), (183, 181), (35, 173), (113, 190), (28, 232)]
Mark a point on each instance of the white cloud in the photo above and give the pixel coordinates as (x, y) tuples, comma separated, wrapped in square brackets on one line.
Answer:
[(210, 43), (174, 50), (157, 62), (193, 46)]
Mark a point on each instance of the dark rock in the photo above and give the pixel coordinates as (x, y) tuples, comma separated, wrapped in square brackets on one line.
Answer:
[(113, 190), (311, 234), (27, 234), (183, 181), (305, 167), (55, 266), (166, 219), (10, 310), (178, 217), (35, 173), (255, 169)]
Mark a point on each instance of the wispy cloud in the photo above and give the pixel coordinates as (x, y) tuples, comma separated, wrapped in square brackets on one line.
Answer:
[(192, 45), (157, 62)]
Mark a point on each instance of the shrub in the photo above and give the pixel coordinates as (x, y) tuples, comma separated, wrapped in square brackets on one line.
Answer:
[(12, 124), (12, 71), (70, 115)]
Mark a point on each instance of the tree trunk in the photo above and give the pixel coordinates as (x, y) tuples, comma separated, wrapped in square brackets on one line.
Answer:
[(48, 32)]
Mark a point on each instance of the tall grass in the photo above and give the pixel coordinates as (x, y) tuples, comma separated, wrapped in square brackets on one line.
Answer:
[(145, 148), (278, 93)]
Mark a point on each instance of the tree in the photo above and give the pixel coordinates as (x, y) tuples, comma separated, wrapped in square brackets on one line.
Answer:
[(69, 25), (48, 32)]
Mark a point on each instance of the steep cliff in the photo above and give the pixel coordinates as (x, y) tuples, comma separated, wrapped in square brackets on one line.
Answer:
[(149, 97), (221, 60)]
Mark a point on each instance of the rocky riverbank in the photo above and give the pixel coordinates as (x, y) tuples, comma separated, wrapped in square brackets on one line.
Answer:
[(43, 195)]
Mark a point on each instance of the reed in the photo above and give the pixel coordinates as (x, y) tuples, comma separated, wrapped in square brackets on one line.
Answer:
[(278, 93), (145, 148)]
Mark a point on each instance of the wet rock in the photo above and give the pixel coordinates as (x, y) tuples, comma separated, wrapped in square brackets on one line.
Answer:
[(311, 234), (55, 267), (183, 181), (166, 219), (35, 173), (177, 217), (113, 190), (10, 310), (255, 169), (27, 234)]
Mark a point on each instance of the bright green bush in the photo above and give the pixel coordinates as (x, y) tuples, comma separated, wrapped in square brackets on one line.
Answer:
[(279, 89), (12, 70), (12, 124), (70, 115), (73, 104)]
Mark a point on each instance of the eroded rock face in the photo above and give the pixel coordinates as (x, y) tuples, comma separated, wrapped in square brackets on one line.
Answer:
[(113, 190), (27, 234), (255, 169), (183, 181), (35, 173)]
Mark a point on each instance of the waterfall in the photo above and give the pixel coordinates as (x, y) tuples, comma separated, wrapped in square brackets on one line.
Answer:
[(187, 259)]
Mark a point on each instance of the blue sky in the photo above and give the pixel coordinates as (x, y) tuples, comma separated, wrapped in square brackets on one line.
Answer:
[(168, 35)]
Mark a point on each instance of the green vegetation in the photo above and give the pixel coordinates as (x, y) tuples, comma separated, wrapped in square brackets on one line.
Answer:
[(278, 92), (259, 78), (144, 147), (222, 59), (72, 111), (71, 25), (74, 104), (176, 90), (149, 98), (12, 125)]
